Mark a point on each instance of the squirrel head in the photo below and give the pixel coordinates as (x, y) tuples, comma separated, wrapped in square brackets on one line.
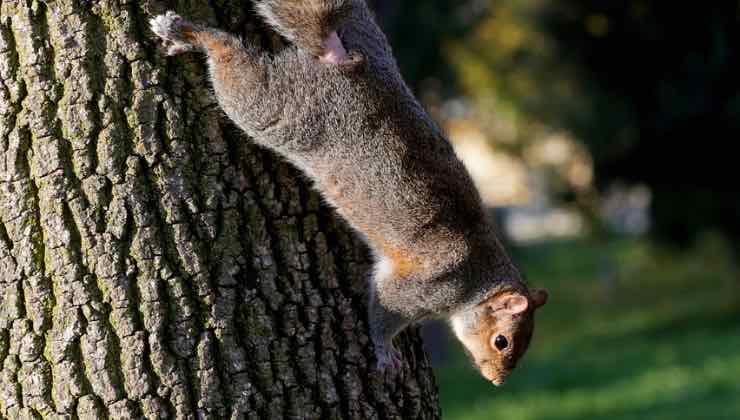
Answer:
[(496, 332)]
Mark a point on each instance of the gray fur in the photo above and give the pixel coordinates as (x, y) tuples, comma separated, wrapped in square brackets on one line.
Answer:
[(373, 152)]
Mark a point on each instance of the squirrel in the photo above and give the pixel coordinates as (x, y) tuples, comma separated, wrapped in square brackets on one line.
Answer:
[(333, 103)]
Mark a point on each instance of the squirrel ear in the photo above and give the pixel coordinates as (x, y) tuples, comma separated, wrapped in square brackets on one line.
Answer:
[(539, 297), (511, 303)]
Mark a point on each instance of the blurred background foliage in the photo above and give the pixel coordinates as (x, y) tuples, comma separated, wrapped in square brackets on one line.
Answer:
[(603, 133)]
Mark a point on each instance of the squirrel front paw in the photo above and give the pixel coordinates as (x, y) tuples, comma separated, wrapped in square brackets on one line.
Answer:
[(176, 32), (388, 359)]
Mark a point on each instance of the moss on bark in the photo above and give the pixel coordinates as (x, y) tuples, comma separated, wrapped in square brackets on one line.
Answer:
[(155, 264)]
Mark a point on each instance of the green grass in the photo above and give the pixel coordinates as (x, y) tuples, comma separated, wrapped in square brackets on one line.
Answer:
[(631, 332)]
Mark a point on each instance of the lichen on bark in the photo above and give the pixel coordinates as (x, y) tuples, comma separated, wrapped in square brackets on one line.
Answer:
[(153, 262)]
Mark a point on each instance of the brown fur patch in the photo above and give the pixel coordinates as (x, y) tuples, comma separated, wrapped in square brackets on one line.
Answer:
[(405, 263), (217, 49), (189, 33)]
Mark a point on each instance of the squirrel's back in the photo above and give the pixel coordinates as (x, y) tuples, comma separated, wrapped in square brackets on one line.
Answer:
[(370, 146)]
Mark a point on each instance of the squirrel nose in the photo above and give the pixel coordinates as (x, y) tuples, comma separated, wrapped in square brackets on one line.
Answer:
[(498, 381)]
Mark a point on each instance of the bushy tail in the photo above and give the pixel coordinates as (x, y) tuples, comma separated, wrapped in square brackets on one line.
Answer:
[(306, 23)]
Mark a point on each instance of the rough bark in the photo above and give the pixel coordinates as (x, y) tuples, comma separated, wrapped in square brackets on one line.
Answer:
[(155, 264)]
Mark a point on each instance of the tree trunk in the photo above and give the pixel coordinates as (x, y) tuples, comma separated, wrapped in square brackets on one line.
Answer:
[(153, 262)]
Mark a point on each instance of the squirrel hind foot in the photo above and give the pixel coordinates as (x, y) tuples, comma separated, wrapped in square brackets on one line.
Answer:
[(310, 24), (177, 33), (388, 359), (334, 51)]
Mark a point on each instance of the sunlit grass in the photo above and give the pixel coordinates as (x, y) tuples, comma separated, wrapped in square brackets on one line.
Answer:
[(631, 332)]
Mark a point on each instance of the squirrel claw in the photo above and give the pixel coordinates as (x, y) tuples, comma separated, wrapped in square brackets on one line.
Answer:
[(175, 32), (389, 360)]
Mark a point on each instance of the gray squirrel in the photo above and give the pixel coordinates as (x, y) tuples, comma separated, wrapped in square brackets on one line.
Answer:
[(334, 104)]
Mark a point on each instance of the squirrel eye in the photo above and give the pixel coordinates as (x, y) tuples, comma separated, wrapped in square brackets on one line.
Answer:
[(501, 342)]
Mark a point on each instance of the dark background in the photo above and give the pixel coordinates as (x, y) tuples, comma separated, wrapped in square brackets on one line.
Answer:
[(661, 81)]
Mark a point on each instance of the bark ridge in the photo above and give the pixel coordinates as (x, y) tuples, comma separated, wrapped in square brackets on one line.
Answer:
[(153, 263)]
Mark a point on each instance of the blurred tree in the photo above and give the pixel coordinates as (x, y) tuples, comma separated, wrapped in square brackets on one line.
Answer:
[(675, 66), (649, 87), (517, 91), (419, 32)]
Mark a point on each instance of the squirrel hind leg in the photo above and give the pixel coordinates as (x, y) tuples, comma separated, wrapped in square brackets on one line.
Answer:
[(310, 24), (334, 51), (177, 33)]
